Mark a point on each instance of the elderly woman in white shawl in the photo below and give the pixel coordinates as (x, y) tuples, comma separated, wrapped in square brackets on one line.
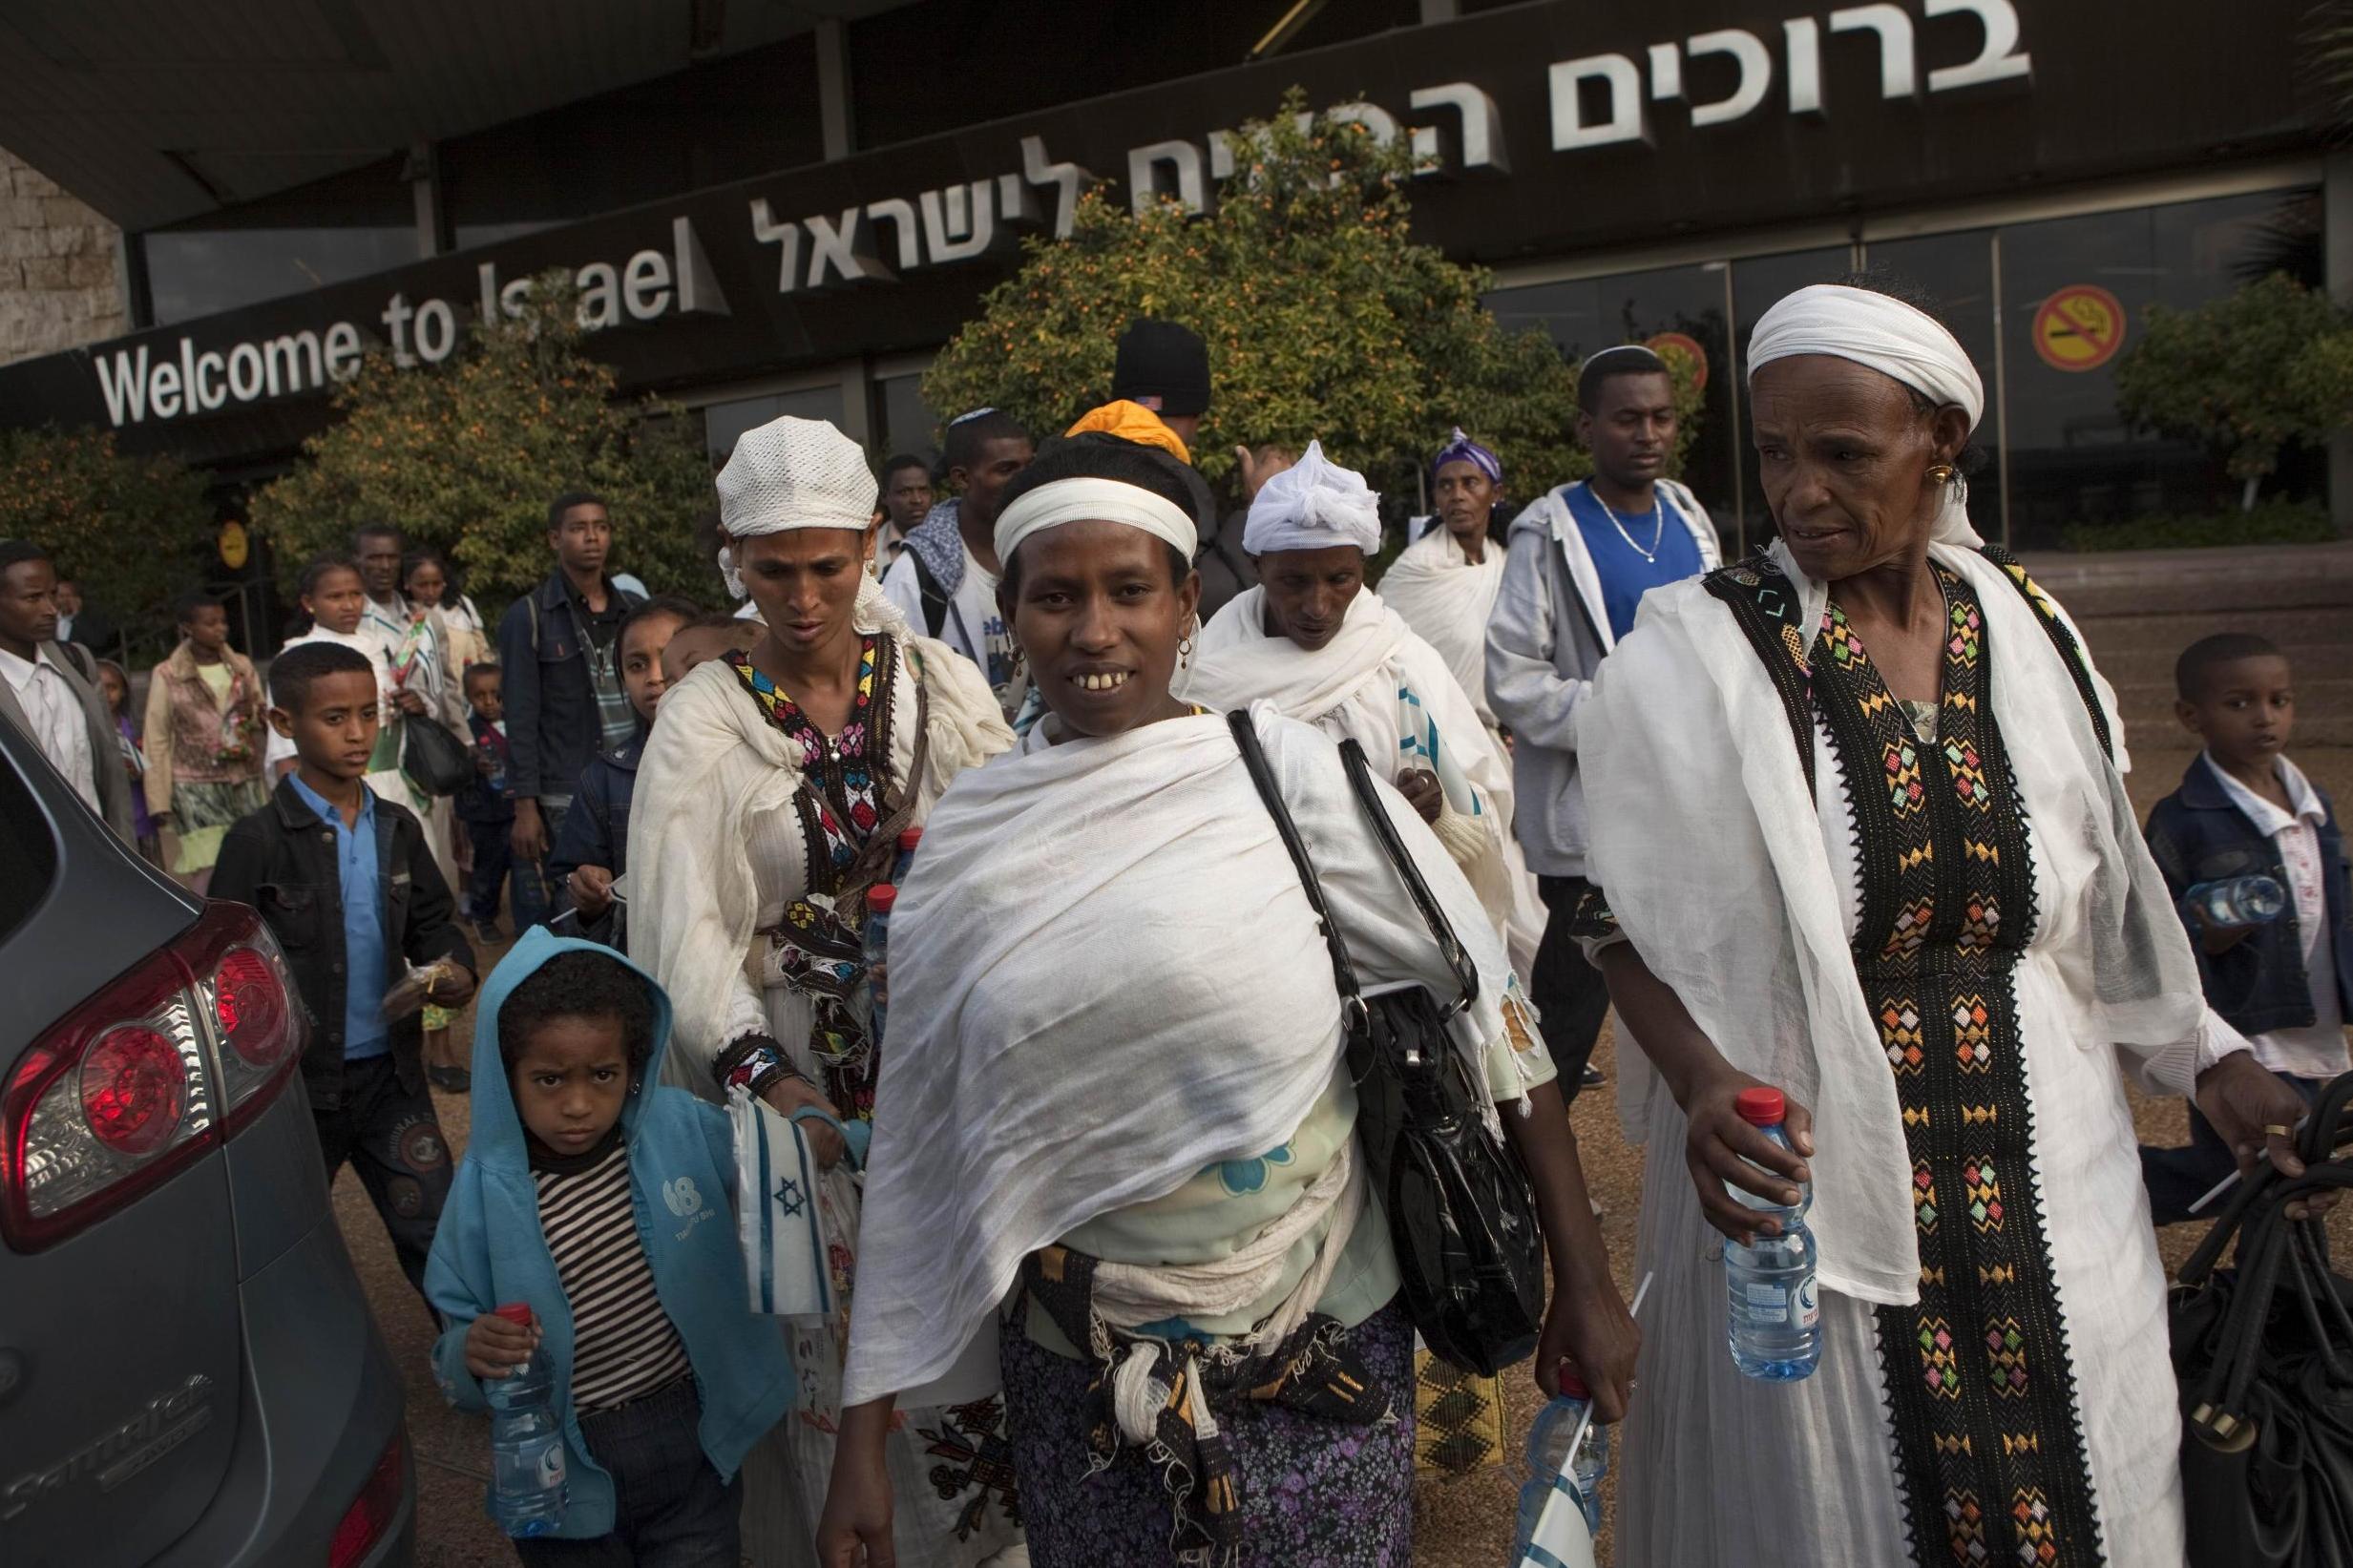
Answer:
[(1859, 833), (1319, 645), (770, 797), (1122, 1110)]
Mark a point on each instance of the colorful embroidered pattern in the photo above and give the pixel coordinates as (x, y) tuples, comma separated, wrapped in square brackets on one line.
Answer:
[(1978, 1379)]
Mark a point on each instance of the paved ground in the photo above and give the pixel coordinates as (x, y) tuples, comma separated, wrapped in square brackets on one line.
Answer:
[(1462, 1524)]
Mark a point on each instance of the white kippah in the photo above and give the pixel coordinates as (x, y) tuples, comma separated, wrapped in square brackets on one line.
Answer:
[(1875, 329), (1087, 497), (1314, 504), (793, 473)]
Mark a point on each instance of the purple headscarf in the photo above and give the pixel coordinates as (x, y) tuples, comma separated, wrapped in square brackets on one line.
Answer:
[(1461, 448)]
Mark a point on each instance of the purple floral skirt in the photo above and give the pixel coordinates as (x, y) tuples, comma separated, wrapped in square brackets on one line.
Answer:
[(1314, 1494)]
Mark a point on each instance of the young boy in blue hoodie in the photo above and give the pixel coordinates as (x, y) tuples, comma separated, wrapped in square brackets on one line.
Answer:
[(601, 1199), (2243, 809)]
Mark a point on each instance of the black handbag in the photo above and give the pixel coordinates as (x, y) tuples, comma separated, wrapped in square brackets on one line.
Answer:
[(434, 760), (2263, 1351), (1470, 1251)]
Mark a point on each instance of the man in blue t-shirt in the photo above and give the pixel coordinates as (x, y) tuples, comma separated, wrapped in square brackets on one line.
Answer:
[(1579, 562)]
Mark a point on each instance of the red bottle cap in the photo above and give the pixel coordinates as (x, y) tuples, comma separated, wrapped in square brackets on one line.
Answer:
[(908, 838), (518, 1312), (880, 897), (1572, 1386), (1761, 1107)]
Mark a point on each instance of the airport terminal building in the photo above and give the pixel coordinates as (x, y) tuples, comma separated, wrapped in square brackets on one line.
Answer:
[(771, 209)]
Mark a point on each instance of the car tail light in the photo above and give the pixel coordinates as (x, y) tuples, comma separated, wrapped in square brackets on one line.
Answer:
[(372, 1512), (142, 1079)]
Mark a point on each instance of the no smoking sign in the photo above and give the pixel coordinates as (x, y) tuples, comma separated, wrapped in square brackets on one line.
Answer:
[(2080, 328)]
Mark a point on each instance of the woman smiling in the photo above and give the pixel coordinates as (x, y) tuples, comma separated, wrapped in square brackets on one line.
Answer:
[(1120, 1105), (770, 799)]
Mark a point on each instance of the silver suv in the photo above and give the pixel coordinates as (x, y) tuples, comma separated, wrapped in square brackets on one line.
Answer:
[(189, 1373)]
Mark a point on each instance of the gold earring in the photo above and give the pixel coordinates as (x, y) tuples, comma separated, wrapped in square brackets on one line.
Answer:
[(1942, 472)]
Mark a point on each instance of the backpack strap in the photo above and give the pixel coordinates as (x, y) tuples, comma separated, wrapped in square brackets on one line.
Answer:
[(935, 605), (1765, 606), (82, 661), (2070, 651)]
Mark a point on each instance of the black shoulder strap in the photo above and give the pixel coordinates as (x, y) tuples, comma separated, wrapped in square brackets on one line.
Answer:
[(1254, 759), (1765, 606), (2071, 652), (82, 661), (1360, 780), (934, 599)]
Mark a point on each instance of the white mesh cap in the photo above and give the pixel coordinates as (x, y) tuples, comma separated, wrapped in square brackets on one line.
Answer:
[(793, 473)]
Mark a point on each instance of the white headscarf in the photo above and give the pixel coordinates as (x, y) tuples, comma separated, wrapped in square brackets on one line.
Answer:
[(793, 473), (1314, 504), (1895, 338), (1084, 498)]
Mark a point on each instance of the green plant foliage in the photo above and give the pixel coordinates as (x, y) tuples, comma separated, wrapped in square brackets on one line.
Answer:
[(131, 531), (2270, 522), (468, 453), (2260, 369), (1322, 317)]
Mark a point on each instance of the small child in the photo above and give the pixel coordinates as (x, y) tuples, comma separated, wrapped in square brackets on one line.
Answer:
[(352, 912), (488, 810), (204, 738), (600, 1197), (116, 687), (592, 847), (711, 634), (2243, 809)]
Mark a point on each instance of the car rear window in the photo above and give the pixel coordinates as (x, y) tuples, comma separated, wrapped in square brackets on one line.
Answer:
[(28, 854)]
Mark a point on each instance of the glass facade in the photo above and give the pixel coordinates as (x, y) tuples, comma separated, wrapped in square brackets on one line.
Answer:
[(724, 423), (903, 422), (2044, 309)]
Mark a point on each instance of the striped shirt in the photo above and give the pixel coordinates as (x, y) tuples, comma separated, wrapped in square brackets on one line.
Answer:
[(623, 1343)]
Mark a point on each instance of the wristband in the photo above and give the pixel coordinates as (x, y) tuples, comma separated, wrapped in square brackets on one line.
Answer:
[(756, 1062)]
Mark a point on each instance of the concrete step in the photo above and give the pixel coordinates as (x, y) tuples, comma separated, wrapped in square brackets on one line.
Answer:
[(2323, 710), (2256, 577), (2113, 635), (2309, 661)]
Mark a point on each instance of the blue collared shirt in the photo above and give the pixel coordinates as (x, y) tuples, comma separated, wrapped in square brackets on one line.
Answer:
[(365, 1033)]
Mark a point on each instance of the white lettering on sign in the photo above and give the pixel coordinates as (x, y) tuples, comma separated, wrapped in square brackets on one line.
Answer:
[(140, 384), (1619, 80)]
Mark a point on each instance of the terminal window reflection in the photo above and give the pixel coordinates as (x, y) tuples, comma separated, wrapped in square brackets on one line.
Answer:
[(907, 424), (197, 272), (724, 424)]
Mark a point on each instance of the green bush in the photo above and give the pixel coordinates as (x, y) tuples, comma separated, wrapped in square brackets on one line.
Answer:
[(131, 531), (468, 453), (1323, 318), (2271, 522)]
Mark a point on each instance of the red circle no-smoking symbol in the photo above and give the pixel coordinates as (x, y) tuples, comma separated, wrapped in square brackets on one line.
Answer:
[(2080, 328)]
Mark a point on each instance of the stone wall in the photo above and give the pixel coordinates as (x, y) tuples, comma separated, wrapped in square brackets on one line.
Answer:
[(58, 268)]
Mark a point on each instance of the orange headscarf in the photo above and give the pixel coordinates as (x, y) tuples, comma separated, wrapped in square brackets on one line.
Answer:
[(1132, 422)]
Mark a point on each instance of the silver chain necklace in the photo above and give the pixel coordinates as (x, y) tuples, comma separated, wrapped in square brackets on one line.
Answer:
[(1658, 520)]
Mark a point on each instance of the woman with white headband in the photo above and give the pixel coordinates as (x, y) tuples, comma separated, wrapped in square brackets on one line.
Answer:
[(771, 796), (1319, 645), (1119, 1143), (1862, 834)]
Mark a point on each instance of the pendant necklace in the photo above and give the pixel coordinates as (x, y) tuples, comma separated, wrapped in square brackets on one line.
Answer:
[(1658, 530)]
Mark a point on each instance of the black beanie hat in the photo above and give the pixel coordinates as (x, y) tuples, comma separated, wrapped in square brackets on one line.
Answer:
[(1163, 361)]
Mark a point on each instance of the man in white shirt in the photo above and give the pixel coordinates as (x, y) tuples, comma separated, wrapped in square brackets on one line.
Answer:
[(945, 582), (46, 692)]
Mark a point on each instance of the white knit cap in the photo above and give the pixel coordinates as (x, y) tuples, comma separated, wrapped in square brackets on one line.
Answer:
[(1871, 328), (793, 473), (1314, 504)]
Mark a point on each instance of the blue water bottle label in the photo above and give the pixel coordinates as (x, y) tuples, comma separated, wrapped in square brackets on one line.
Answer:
[(1767, 1303), (1809, 1306), (551, 1466)]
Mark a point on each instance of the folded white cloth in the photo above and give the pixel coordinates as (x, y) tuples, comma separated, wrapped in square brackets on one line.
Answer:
[(1314, 504)]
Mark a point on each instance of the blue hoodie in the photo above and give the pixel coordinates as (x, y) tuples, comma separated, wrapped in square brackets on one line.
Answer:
[(490, 1250)]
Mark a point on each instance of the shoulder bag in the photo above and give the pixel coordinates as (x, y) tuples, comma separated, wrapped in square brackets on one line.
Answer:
[(434, 760), (2263, 1351), (1470, 1252)]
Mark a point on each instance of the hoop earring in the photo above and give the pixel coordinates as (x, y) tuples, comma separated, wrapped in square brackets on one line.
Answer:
[(1184, 652)]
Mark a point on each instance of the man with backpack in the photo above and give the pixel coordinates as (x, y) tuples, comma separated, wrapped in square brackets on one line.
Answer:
[(945, 581)]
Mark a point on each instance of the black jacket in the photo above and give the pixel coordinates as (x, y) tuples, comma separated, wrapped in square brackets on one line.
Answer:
[(2198, 834), (552, 727), (281, 860)]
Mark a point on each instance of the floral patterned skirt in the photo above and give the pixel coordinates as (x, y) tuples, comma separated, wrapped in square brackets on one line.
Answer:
[(1314, 1494)]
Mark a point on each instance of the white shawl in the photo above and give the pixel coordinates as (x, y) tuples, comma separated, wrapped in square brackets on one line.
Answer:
[(693, 902), (1106, 976), (1446, 600), (1365, 684), (1715, 862)]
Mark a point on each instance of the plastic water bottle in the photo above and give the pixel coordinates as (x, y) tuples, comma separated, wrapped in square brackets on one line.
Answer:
[(1549, 1440), (879, 898), (908, 838), (527, 1493), (1776, 1318), (2237, 901)]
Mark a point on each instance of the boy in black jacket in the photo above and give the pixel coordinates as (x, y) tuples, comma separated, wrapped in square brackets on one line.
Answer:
[(346, 882)]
